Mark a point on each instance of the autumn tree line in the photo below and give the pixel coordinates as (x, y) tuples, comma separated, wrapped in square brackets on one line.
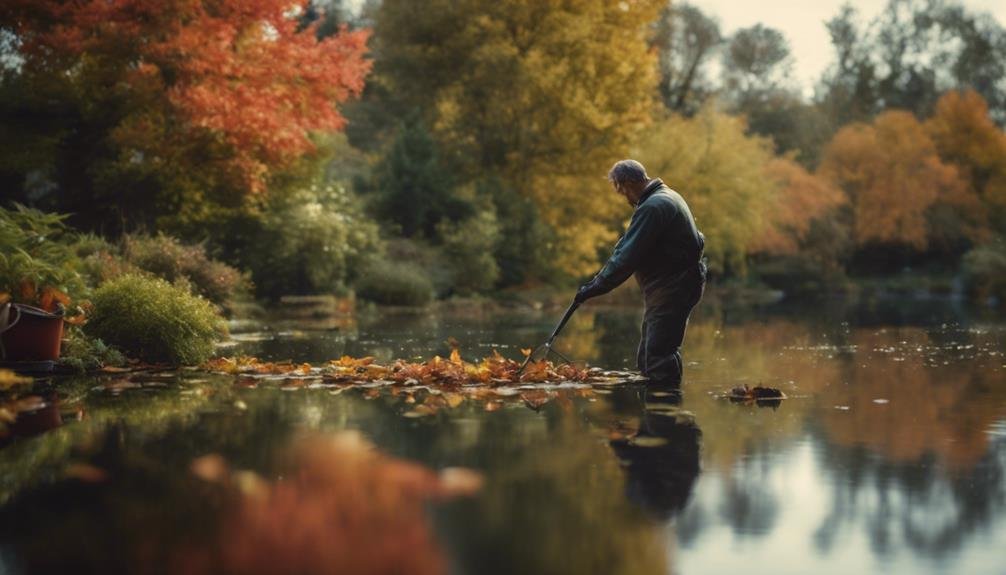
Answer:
[(409, 149)]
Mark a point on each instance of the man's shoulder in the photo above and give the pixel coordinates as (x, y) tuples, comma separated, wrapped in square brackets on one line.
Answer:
[(663, 197)]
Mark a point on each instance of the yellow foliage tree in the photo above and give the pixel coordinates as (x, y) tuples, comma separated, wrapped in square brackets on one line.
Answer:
[(966, 137), (720, 171), (892, 174), (542, 95)]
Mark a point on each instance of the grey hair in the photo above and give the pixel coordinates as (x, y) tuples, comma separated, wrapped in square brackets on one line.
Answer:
[(627, 171)]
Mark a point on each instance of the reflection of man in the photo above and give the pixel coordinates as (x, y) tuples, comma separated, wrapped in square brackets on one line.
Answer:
[(661, 460), (663, 248)]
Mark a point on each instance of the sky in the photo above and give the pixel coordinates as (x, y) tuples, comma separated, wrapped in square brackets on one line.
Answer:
[(802, 22)]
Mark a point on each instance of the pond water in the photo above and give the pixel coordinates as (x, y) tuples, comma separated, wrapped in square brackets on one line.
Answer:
[(889, 455)]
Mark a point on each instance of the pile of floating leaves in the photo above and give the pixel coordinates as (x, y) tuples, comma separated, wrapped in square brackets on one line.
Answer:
[(744, 393), (434, 384), (494, 370)]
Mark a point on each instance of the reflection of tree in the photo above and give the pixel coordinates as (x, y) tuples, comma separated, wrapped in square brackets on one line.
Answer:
[(750, 505), (554, 495), (778, 353), (912, 503), (920, 469), (934, 410), (580, 337), (340, 507), (31, 461)]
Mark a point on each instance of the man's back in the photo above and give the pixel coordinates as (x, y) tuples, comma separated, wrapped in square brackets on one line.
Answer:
[(661, 246)]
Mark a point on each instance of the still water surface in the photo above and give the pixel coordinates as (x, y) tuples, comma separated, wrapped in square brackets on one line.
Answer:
[(888, 457)]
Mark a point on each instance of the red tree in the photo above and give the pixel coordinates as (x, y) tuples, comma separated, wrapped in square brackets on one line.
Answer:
[(243, 74)]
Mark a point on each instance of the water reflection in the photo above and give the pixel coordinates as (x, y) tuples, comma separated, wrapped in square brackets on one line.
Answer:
[(890, 455), (661, 459)]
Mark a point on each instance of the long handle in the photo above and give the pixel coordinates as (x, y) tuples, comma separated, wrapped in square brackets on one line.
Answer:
[(562, 323)]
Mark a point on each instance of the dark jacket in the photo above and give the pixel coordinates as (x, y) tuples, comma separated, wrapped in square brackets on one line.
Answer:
[(662, 247)]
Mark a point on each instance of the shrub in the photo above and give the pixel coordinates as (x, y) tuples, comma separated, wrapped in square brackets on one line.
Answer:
[(99, 260), (799, 277), (425, 256), (389, 283), (155, 321), (985, 270), (82, 353), (469, 246), (169, 259), (311, 240)]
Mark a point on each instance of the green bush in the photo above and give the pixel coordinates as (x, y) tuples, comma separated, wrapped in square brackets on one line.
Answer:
[(390, 283), (169, 259), (469, 246), (985, 270), (83, 353), (153, 320), (310, 240), (425, 256), (99, 260), (799, 277)]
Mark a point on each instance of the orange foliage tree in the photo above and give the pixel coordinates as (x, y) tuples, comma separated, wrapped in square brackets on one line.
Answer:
[(231, 88), (966, 137), (892, 175), (802, 197)]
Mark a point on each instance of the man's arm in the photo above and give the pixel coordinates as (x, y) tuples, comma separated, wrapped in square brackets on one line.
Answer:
[(627, 255)]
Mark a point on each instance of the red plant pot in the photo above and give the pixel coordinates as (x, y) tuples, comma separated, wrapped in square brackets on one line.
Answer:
[(31, 334)]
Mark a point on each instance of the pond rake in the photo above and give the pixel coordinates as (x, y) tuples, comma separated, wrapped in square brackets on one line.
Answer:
[(547, 346)]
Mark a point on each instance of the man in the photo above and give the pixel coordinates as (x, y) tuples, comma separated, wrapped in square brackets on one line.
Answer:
[(663, 248)]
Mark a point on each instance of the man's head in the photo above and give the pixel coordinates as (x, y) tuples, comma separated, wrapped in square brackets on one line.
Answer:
[(629, 179)]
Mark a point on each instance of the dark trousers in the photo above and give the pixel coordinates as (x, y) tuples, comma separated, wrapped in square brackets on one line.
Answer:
[(663, 331)]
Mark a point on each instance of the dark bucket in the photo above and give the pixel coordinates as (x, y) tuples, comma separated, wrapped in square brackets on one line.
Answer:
[(31, 334)]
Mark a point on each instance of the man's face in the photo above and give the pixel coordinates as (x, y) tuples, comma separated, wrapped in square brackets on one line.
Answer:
[(627, 192), (623, 191)]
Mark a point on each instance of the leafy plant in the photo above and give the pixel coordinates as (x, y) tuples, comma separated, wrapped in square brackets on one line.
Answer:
[(985, 270), (37, 262), (311, 240), (171, 260), (81, 353), (155, 321), (400, 283), (469, 246)]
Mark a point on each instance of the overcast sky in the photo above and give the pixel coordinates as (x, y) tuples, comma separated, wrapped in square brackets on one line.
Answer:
[(802, 22)]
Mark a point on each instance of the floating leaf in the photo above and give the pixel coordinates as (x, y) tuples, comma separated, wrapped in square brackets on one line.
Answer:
[(458, 481), (453, 399), (9, 379), (86, 472), (648, 441), (536, 398)]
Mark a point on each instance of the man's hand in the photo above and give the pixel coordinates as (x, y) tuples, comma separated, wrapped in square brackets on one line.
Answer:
[(586, 291)]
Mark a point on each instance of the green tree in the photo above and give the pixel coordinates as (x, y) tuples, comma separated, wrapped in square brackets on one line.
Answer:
[(910, 54), (848, 88), (756, 64), (686, 41), (412, 188)]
